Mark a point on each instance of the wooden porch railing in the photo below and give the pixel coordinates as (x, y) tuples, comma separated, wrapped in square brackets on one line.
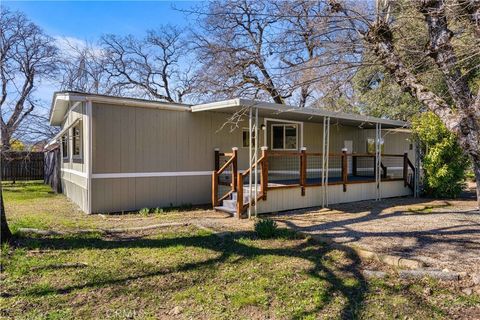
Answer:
[(238, 178), (231, 162), (263, 162), (409, 180)]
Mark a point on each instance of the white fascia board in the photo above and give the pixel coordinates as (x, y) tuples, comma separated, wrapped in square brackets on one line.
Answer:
[(319, 112), (61, 100), (286, 108), (60, 106), (216, 105), (137, 103)]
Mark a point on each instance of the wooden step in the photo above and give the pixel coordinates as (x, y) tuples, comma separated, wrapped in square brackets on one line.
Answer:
[(226, 209)]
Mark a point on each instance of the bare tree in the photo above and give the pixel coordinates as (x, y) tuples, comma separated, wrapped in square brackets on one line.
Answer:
[(154, 67), (83, 69), (26, 56), (460, 111), (288, 52), (236, 54)]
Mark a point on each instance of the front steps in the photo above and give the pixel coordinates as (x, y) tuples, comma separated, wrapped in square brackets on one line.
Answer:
[(230, 205)]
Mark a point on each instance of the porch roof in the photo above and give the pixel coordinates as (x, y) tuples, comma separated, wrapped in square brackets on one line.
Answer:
[(285, 112)]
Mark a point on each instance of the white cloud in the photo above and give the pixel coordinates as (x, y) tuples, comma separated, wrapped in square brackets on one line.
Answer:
[(70, 45)]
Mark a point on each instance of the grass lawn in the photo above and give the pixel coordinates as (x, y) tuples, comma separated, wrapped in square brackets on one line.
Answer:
[(187, 272)]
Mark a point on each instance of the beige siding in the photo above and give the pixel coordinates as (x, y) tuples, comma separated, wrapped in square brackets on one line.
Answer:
[(74, 171), (76, 193), (76, 114), (125, 194), (144, 140), (290, 198)]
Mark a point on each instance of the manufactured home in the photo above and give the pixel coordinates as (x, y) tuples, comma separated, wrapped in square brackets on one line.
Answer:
[(122, 154)]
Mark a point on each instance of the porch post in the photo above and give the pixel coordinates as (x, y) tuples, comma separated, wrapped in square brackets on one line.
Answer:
[(303, 169), (405, 169), (239, 195), (323, 162), (255, 162), (354, 165), (380, 161), (217, 158), (325, 159), (327, 166), (344, 169), (417, 171), (264, 173), (234, 168), (376, 161), (250, 142), (214, 189)]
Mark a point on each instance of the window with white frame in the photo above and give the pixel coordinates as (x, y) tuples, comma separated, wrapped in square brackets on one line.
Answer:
[(65, 145), (246, 138), (284, 136), (77, 141)]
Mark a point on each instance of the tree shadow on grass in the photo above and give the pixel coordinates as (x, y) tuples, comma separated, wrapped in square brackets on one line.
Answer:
[(229, 248)]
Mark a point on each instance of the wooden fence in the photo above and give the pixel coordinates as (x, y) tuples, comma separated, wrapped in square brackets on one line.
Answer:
[(52, 169), (22, 165)]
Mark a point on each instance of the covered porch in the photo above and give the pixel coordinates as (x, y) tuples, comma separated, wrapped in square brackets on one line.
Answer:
[(293, 158)]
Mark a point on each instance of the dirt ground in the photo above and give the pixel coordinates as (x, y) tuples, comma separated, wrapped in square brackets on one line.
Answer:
[(444, 234)]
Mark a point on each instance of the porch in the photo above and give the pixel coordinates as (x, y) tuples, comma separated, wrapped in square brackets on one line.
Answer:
[(309, 157), (293, 180)]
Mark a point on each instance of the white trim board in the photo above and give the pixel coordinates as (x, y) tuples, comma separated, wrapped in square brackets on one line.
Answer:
[(75, 172), (150, 174)]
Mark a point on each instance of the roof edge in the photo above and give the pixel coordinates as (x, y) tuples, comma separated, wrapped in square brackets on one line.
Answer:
[(60, 99), (287, 108)]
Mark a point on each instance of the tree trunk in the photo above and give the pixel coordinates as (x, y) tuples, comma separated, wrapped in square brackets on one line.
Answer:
[(476, 169), (5, 235), (5, 139)]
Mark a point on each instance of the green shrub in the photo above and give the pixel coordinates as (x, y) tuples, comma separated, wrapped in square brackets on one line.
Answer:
[(444, 162), (144, 211), (265, 228), (158, 210)]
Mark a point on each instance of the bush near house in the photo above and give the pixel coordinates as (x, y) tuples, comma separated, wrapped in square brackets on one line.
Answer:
[(444, 163)]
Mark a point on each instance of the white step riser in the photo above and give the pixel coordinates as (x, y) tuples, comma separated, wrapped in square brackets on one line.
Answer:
[(231, 204)]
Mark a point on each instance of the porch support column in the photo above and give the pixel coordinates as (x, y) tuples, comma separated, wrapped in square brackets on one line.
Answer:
[(344, 169), (250, 142), (416, 188), (325, 158), (378, 160), (255, 162)]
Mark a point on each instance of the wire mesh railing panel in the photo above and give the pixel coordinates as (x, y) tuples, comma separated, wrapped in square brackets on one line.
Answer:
[(284, 169), (314, 169), (393, 167), (225, 178), (334, 168), (363, 166)]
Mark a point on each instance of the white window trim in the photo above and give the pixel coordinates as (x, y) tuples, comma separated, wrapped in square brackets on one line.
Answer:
[(243, 130), (78, 156), (66, 136), (284, 135)]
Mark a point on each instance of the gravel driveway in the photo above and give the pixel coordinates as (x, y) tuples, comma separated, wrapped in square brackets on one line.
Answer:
[(441, 233)]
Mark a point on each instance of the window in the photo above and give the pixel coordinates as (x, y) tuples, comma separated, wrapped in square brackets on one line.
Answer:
[(284, 137), (77, 141), (246, 138), (371, 145), (65, 146)]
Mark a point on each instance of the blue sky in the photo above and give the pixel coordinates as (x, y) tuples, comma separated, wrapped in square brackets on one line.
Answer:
[(88, 20)]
